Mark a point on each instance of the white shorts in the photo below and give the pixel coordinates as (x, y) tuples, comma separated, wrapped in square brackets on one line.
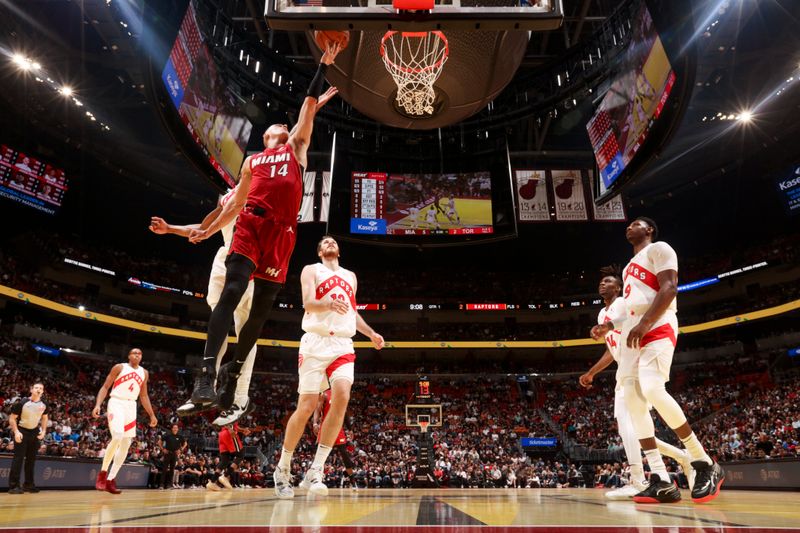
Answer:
[(323, 360), (121, 418), (217, 281), (656, 348)]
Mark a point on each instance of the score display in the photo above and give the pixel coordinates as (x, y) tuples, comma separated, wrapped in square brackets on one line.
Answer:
[(31, 182), (421, 204)]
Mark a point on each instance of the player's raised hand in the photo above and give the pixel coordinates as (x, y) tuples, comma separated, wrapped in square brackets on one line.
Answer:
[(326, 97), (377, 340), (198, 235), (331, 52), (586, 380), (158, 225)]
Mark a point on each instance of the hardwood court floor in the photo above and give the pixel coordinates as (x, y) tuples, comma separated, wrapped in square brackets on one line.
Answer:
[(396, 510)]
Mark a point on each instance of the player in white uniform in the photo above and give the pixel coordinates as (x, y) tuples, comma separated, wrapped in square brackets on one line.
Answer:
[(610, 289), (452, 214), (430, 217), (326, 355), (649, 333), (127, 383), (241, 403)]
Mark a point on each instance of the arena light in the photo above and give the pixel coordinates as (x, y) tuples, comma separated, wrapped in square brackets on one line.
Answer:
[(65, 90), (25, 63), (745, 116)]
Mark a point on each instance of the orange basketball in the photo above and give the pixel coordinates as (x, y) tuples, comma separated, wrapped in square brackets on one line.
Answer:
[(329, 37)]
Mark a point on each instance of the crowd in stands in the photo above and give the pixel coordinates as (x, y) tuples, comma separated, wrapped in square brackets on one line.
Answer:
[(739, 414)]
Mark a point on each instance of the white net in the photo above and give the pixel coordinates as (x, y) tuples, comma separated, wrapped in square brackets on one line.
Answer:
[(415, 61)]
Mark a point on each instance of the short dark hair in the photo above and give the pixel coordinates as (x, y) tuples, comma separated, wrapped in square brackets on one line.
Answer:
[(37, 382), (652, 223), (614, 271), (319, 244)]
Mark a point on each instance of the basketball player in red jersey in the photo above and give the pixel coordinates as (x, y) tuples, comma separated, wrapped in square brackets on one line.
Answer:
[(649, 327), (326, 356), (340, 445), (267, 201), (127, 382)]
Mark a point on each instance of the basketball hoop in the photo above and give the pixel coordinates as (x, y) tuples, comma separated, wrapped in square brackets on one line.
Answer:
[(415, 61), (423, 426)]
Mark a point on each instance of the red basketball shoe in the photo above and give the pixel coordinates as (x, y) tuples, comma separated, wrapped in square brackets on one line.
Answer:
[(100, 484), (111, 486)]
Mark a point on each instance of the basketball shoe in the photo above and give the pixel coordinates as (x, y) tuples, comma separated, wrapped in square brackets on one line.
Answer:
[(203, 392), (111, 486), (627, 492), (313, 482), (283, 484), (708, 482), (225, 481), (190, 408), (234, 414), (100, 484), (213, 486), (688, 469), (226, 386), (658, 492)]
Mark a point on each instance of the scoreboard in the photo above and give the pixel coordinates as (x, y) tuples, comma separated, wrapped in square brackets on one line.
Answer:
[(31, 182), (369, 195)]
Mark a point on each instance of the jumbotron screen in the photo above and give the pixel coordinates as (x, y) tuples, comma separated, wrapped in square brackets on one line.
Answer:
[(205, 103), (421, 204), (633, 103), (26, 180)]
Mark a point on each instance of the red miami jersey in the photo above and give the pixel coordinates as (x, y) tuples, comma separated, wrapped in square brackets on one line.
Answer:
[(616, 308), (277, 183), (338, 284), (128, 383), (641, 276), (326, 406), (229, 439)]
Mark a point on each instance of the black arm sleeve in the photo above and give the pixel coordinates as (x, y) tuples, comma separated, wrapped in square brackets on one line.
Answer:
[(318, 83), (16, 409)]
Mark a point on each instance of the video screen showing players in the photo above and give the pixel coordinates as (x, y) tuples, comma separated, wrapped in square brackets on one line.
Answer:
[(635, 100), (421, 204), (29, 181), (205, 102)]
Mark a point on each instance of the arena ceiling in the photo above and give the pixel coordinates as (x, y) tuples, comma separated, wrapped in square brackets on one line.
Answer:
[(746, 53)]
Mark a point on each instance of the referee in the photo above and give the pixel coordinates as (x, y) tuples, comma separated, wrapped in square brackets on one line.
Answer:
[(173, 443), (28, 423)]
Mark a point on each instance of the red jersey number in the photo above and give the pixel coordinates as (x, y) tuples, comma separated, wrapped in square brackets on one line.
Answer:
[(282, 171)]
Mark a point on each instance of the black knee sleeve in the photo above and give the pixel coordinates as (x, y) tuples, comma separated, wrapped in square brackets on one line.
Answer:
[(264, 296)]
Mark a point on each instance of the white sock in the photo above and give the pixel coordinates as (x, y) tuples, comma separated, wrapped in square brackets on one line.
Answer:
[(695, 449), (657, 464), (119, 458), (285, 462), (321, 456), (111, 449), (637, 474)]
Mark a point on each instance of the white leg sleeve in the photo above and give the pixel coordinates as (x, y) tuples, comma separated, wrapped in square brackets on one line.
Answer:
[(652, 386), (637, 408), (119, 457), (629, 441)]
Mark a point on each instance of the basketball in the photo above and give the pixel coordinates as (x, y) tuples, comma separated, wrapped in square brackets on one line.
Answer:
[(327, 38)]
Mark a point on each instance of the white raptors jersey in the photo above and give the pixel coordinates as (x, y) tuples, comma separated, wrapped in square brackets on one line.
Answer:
[(613, 337), (227, 230), (640, 276), (128, 383), (333, 284)]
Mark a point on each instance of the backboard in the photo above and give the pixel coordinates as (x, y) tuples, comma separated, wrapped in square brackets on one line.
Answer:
[(430, 413), (377, 15)]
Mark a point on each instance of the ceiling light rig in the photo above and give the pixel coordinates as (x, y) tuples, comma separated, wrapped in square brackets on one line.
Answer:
[(27, 64)]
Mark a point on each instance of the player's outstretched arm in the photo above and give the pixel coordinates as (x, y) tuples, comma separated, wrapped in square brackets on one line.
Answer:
[(231, 209), (300, 136), (145, 399), (103, 392), (159, 226), (586, 379)]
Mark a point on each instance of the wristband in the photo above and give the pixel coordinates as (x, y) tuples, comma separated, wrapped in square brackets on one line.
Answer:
[(318, 82)]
